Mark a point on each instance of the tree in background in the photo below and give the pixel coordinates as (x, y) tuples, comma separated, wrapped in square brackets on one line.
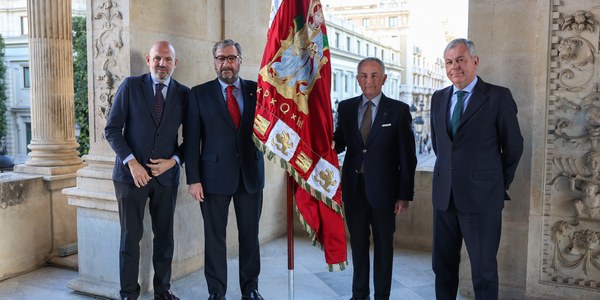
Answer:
[(3, 97), (80, 83)]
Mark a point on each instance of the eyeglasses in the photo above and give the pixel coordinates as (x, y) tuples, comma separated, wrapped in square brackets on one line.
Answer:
[(230, 59)]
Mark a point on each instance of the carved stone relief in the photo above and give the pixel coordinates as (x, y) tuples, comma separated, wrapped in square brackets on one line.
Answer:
[(107, 44), (571, 240)]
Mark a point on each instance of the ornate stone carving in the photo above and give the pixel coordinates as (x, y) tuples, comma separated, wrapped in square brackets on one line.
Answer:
[(576, 247), (577, 54), (107, 45), (578, 21), (571, 247)]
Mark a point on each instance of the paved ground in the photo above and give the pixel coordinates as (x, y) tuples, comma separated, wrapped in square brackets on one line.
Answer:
[(412, 279)]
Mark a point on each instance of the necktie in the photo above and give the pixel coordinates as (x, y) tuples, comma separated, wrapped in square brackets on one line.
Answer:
[(159, 101), (232, 105), (457, 112), (365, 125)]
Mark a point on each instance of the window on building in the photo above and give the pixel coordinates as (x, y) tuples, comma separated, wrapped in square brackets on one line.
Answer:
[(24, 27), (393, 22), (26, 82), (382, 52), (365, 22), (334, 83), (368, 50), (337, 40), (346, 83), (348, 43), (358, 47), (375, 51)]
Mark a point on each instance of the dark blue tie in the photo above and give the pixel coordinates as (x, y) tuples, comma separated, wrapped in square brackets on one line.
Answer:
[(457, 112)]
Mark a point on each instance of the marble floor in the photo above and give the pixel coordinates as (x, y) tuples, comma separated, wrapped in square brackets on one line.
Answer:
[(412, 279)]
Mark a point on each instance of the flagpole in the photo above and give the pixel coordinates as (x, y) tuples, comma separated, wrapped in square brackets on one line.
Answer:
[(290, 235)]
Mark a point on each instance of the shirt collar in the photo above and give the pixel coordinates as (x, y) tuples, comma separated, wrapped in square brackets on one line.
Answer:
[(156, 81), (374, 100), (224, 85), (468, 88)]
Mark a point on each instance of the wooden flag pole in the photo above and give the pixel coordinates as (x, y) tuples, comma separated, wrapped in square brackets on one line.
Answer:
[(290, 235)]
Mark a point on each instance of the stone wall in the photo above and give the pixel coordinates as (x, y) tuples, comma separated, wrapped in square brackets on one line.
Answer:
[(547, 53), (25, 224)]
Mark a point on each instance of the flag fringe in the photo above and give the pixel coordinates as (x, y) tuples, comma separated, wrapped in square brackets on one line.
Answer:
[(336, 207)]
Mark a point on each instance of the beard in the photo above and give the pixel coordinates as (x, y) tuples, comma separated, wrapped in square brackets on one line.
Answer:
[(162, 73), (227, 75)]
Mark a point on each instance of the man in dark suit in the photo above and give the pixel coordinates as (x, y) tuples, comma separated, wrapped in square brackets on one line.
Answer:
[(377, 175), (223, 163), (476, 138), (142, 129)]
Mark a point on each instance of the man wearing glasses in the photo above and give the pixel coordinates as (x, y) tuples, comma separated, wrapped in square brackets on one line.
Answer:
[(223, 164)]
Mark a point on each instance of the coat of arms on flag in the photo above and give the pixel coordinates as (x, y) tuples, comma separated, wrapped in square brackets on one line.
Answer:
[(293, 121)]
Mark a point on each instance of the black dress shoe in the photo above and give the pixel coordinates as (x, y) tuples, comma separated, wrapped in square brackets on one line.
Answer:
[(168, 295), (254, 295), (215, 296)]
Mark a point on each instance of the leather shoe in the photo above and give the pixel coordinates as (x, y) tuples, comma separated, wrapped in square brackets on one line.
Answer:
[(254, 295), (167, 295), (215, 296), (357, 298)]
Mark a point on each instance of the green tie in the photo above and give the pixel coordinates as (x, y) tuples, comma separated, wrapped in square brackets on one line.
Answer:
[(457, 113)]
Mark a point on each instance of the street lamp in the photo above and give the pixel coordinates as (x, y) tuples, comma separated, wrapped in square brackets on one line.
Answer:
[(413, 110), (419, 130)]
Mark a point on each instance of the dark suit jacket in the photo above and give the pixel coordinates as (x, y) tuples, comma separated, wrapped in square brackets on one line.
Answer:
[(389, 153), (132, 128), (216, 152), (479, 165)]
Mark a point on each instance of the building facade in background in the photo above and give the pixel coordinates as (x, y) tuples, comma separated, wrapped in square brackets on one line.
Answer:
[(348, 44)]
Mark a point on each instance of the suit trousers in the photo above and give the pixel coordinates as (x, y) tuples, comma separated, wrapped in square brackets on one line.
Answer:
[(362, 219), (481, 233), (132, 203), (215, 212)]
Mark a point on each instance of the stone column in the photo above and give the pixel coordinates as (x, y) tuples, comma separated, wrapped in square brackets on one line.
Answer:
[(53, 147), (53, 142)]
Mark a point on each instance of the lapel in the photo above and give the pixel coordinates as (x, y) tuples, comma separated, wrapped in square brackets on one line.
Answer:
[(148, 88), (248, 113), (477, 99), (380, 117), (443, 108), (354, 118)]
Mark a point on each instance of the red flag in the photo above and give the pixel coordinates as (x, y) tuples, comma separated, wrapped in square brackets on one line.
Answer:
[(293, 121)]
